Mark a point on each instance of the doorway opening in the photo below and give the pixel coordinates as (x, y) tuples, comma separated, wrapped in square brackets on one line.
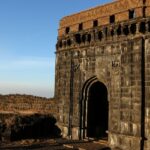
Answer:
[(97, 111)]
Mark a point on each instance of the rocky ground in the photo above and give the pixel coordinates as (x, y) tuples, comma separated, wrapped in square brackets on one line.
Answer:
[(39, 132), (57, 144)]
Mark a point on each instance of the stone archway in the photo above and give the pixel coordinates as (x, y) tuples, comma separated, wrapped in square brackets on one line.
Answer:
[(94, 110)]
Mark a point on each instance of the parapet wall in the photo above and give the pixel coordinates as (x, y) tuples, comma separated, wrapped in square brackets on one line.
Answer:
[(27, 104), (119, 8)]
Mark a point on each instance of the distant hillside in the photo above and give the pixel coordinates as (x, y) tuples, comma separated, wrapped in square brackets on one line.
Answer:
[(16, 103), (23, 96)]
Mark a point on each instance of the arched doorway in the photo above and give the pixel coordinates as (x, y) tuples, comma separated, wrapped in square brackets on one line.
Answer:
[(97, 111), (94, 110)]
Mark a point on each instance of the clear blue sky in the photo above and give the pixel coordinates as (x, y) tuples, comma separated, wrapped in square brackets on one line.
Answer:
[(28, 34)]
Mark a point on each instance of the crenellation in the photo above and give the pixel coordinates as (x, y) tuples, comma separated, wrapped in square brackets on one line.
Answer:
[(120, 9), (101, 11)]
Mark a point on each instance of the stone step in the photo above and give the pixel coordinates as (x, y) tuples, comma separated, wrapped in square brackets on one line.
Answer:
[(105, 142), (97, 145)]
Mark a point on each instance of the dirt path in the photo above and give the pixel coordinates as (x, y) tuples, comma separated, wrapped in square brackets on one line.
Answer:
[(57, 144)]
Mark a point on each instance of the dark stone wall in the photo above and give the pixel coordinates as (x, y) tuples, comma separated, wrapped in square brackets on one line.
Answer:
[(118, 56), (147, 92)]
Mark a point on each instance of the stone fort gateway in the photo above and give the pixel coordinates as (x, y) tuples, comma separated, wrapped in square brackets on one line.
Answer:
[(102, 81)]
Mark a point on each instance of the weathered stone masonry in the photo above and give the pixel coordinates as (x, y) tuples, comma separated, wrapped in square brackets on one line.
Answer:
[(106, 48)]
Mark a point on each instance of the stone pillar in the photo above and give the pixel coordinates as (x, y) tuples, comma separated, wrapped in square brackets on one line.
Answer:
[(137, 28), (147, 26)]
